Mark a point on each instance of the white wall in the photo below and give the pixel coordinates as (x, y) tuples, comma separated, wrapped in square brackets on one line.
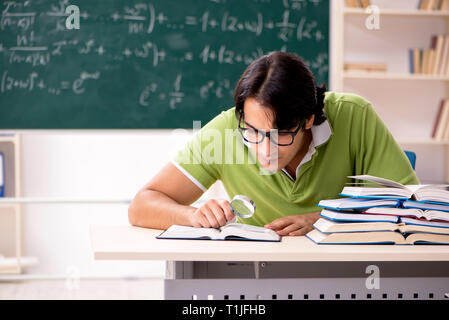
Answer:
[(93, 164)]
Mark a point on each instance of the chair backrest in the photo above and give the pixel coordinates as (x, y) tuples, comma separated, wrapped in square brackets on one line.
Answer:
[(411, 157)]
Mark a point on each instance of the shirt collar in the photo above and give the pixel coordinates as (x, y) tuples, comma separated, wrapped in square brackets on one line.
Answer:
[(320, 135)]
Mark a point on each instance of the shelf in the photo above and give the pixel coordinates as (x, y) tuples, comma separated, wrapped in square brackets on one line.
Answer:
[(399, 12), (7, 204), (433, 22), (8, 138), (422, 142), (9, 201), (11, 264), (393, 76)]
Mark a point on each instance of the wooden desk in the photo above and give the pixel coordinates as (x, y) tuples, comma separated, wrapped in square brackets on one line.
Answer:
[(296, 267)]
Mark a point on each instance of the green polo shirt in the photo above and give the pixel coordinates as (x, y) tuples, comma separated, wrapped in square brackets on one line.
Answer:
[(359, 143)]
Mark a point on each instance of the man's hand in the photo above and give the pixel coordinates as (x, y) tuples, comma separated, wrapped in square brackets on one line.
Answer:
[(212, 214), (296, 225)]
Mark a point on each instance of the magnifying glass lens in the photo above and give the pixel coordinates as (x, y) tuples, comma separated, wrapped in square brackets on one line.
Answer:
[(243, 206)]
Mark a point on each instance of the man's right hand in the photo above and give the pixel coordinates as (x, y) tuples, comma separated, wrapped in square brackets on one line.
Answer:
[(212, 214)]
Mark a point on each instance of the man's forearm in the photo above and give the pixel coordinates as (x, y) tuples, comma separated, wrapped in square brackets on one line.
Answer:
[(153, 209)]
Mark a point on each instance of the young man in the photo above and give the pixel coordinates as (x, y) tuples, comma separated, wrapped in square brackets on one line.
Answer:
[(295, 145)]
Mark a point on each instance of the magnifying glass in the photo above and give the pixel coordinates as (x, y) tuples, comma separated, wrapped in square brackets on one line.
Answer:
[(243, 206)]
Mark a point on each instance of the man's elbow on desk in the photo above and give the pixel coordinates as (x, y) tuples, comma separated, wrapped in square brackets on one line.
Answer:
[(132, 215), (154, 209), (141, 210)]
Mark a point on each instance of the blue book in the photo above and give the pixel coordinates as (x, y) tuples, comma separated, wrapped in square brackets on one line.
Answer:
[(2, 174), (411, 61), (357, 203), (374, 197), (339, 216), (426, 205)]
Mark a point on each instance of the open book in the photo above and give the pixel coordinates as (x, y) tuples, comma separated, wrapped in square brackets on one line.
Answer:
[(230, 231), (409, 204), (376, 237), (385, 188), (410, 212)]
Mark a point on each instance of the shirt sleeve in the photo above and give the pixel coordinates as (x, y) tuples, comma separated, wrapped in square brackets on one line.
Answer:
[(377, 153), (201, 160)]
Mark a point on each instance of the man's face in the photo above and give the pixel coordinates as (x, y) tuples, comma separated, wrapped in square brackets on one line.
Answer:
[(269, 155)]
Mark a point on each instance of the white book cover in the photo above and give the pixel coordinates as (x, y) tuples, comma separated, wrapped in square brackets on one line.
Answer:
[(421, 192)]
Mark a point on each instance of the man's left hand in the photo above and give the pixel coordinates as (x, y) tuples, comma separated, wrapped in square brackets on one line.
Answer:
[(296, 225)]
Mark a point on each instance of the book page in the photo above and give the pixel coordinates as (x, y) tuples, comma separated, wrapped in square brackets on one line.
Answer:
[(437, 215), (424, 238), (248, 232), (382, 181), (357, 237), (396, 211), (176, 231)]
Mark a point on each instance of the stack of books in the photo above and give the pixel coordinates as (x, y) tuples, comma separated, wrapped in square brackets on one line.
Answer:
[(433, 60), (384, 212)]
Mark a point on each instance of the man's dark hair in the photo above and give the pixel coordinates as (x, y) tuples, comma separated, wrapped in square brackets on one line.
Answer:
[(283, 83)]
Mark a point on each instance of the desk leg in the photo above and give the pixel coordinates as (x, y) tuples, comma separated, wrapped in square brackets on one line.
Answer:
[(179, 270)]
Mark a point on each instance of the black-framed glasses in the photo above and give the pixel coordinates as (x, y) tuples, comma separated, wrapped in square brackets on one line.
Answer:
[(278, 137)]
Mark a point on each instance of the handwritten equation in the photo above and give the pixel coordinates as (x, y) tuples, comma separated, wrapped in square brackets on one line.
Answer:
[(197, 49)]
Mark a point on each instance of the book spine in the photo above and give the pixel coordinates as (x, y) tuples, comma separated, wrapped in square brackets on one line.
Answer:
[(351, 3), (423, 4), (411, 54), (431, 61), (424, 61), (417, 60), (438, 54), (437, 119), (444, 54), (442, 124), (365, 3), (444, 5), (446, 130)]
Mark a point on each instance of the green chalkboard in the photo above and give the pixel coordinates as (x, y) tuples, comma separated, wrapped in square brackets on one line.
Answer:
[(139, 64)]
